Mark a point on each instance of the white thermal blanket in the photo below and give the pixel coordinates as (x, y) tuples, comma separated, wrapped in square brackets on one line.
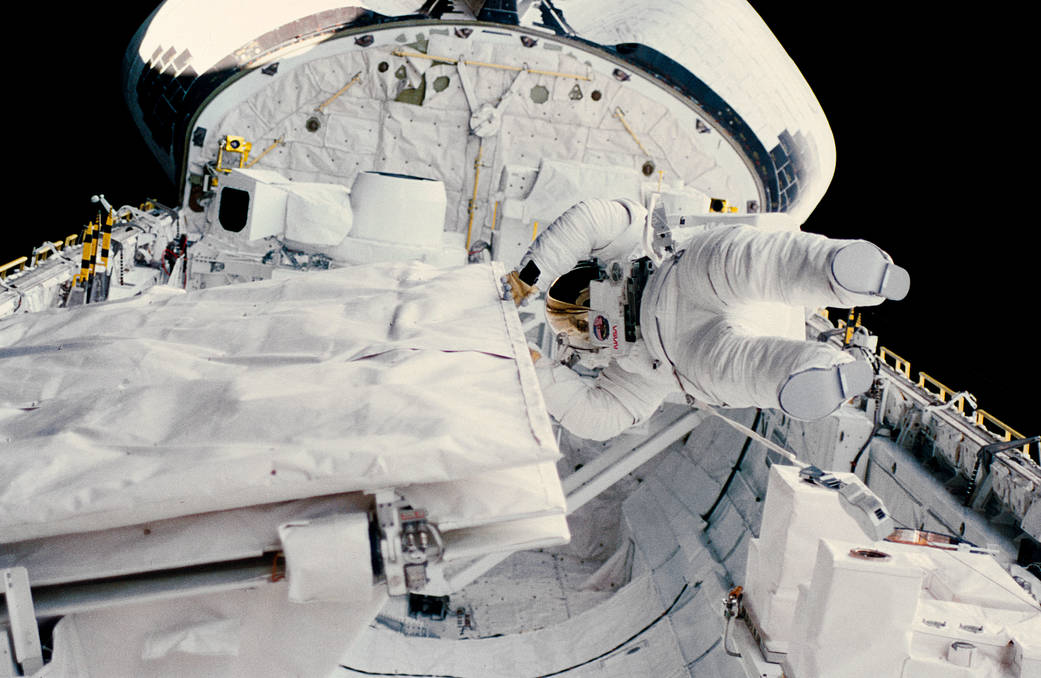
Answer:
[(175, 403)]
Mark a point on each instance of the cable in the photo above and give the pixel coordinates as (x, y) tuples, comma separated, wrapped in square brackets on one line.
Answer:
[(871, 357), (878, 394), (871, 436), (726, 632), (707, 515), (985, 456), (627, 640), (13, 288), (407, 675), (1000, 585), (600, 656)]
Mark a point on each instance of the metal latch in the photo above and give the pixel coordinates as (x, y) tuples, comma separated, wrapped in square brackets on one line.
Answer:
[(409, 543), (858, 501)]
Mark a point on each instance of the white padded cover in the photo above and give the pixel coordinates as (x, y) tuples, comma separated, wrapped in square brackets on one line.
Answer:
[(169, 403)]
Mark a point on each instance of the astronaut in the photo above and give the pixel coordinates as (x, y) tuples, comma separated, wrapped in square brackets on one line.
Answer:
[(720, 321)]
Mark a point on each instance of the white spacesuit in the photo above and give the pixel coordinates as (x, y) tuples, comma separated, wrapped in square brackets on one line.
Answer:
[(722, 321)]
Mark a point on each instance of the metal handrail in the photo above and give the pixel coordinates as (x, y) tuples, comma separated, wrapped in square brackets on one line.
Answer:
[(19, 262)]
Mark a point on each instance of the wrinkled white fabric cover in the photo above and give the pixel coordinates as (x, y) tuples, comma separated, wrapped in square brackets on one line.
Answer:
[(317, 214), (231, 634), (541, 652), (327, 559), (171, 403)]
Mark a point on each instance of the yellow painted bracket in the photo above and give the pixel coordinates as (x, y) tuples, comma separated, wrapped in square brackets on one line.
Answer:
[(850, 325), (233, 146), (721, 206)]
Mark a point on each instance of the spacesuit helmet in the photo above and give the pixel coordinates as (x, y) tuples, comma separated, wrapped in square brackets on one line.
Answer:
[(567, 305)]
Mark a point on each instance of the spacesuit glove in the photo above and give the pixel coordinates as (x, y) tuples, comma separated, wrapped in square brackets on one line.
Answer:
[(516, 288)]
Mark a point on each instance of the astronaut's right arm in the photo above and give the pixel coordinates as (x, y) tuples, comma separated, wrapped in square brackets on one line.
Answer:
[(578, 233), (602, 408)]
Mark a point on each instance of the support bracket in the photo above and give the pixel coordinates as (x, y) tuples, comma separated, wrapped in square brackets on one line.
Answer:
[(25, 635)]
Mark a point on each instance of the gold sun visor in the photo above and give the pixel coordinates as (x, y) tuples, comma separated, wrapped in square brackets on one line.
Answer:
[(567, 305), (570, 319)]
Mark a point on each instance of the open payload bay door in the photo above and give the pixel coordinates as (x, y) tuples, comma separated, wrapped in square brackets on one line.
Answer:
[(174, 431)]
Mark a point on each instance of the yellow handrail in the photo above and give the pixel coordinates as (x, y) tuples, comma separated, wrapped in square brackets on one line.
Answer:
[(43, 251), (19, 262), (39, 254), (944, 391), (901, 365), (981, 418), (1006, 432)]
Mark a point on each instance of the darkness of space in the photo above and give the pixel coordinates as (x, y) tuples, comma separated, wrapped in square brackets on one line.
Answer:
[(922, 108)]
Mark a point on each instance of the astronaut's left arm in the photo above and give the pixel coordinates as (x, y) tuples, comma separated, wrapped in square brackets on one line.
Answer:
[(602, 408)]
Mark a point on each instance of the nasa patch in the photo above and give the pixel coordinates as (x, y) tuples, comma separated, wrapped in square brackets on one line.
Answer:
[(601, 328)]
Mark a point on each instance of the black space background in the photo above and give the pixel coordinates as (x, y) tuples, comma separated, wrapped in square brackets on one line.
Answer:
[(933, 143)]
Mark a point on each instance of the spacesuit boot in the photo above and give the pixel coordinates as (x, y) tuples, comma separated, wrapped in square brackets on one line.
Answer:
[(860, 268), (818, 391)]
